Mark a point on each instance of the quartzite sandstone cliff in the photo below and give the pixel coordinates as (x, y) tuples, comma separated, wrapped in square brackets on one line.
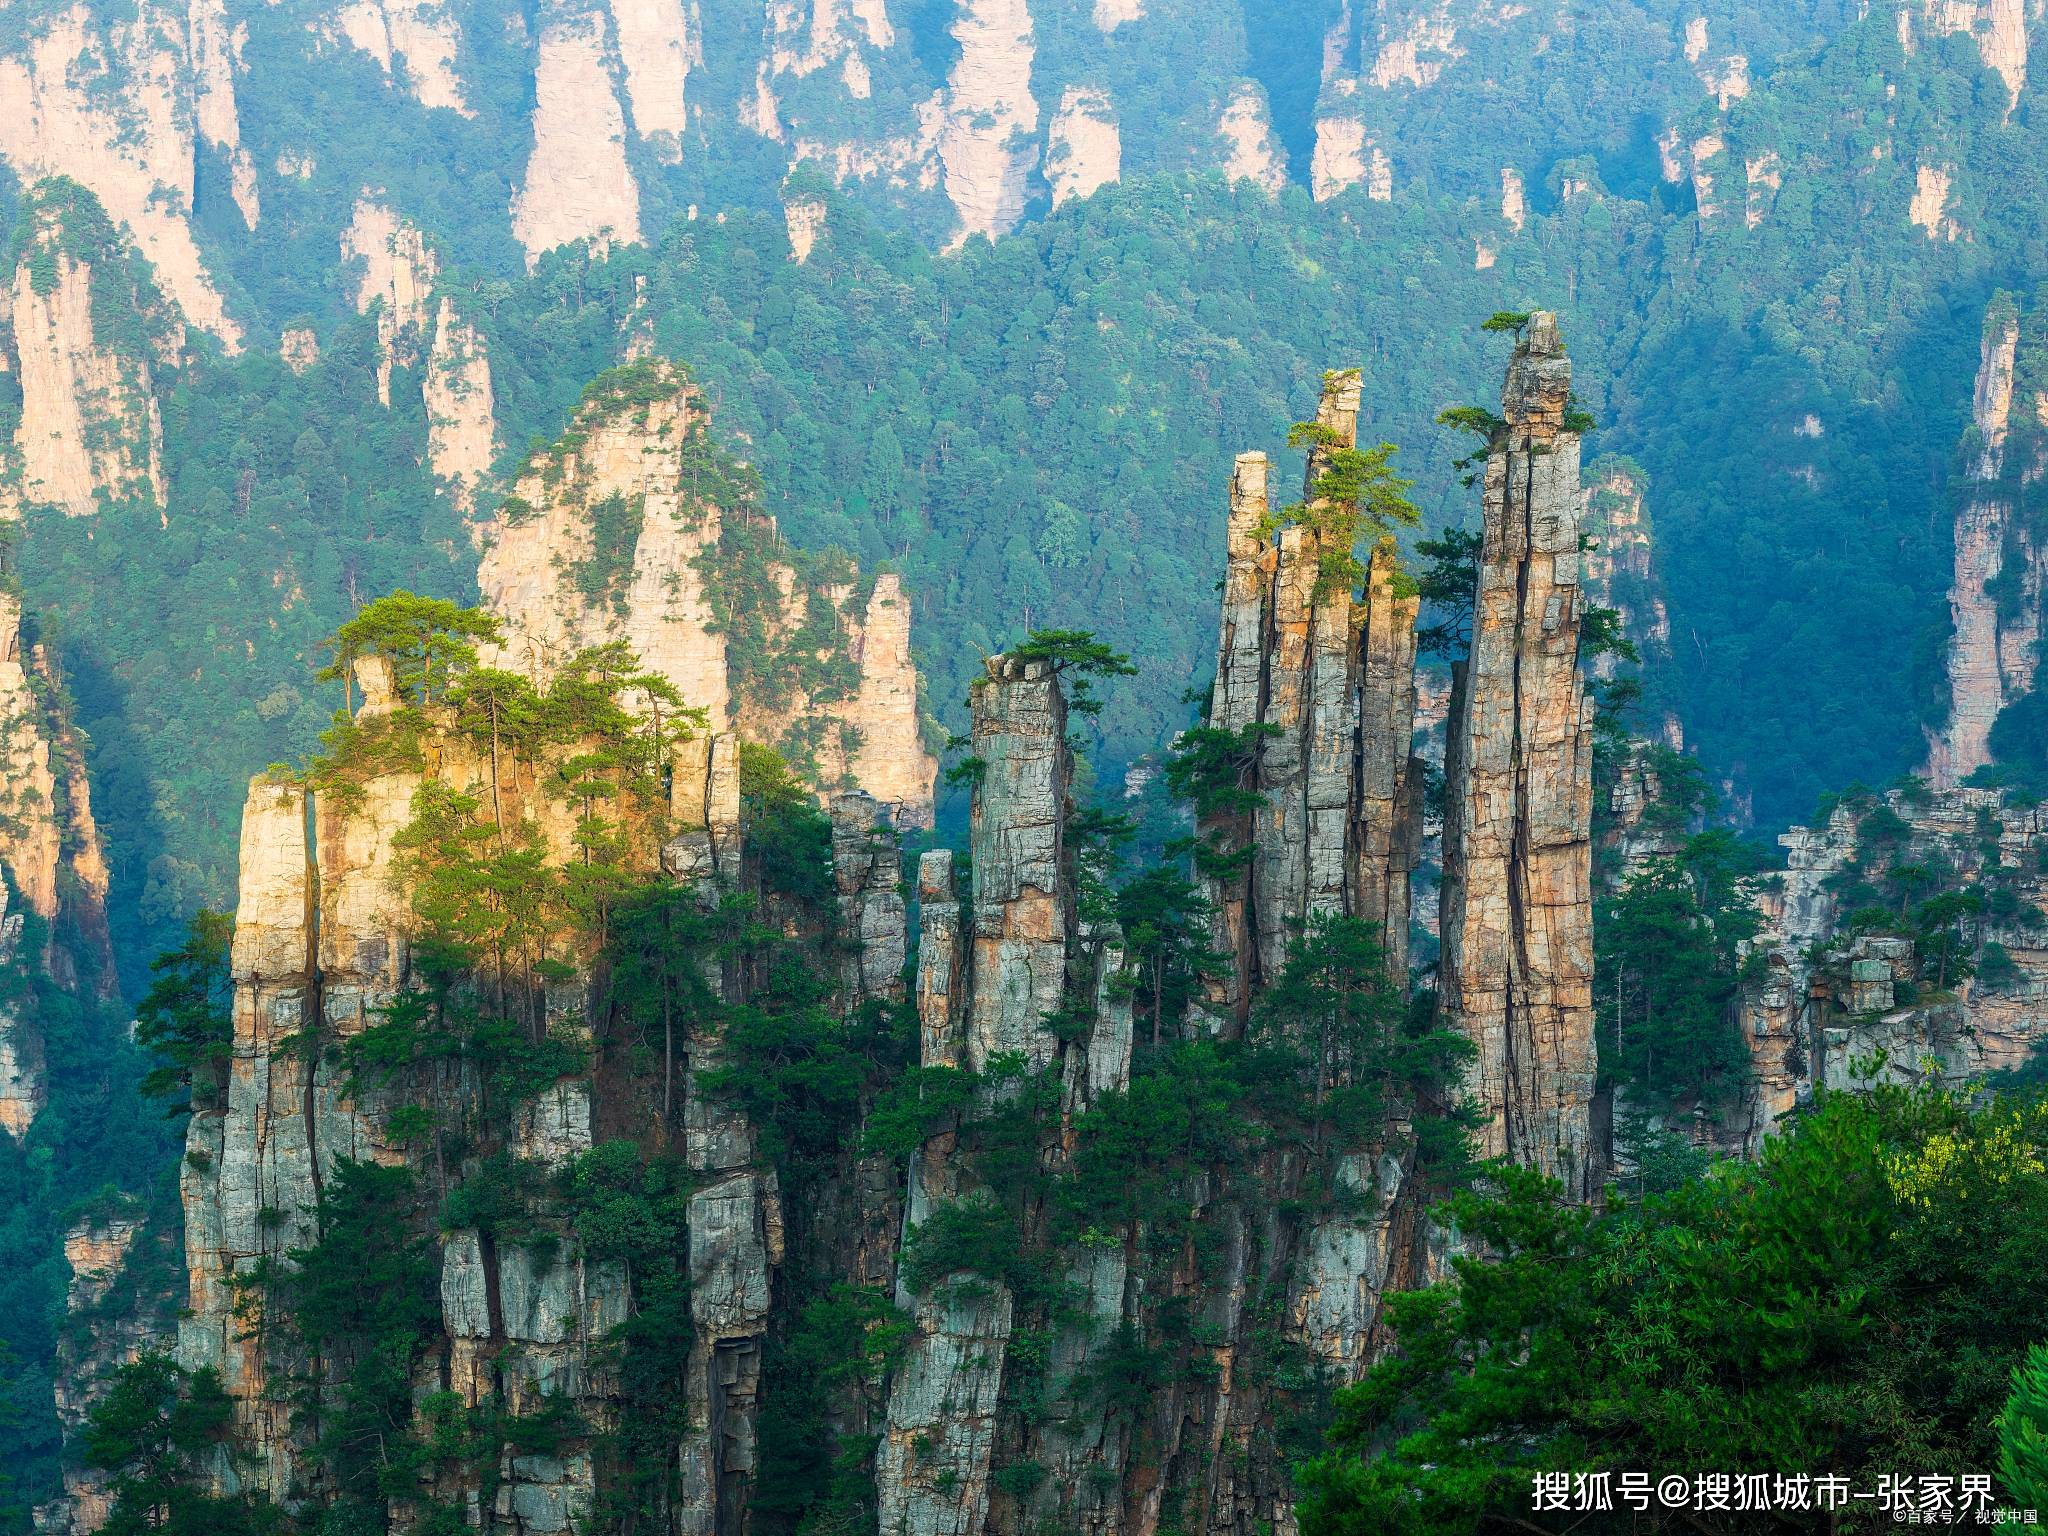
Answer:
[(1019, 981), (1517, 919)]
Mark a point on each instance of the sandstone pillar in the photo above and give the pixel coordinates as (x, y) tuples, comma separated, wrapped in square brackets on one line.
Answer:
[(1517, 906)]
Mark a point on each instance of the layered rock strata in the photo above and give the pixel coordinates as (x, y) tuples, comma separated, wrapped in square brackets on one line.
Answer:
[(994, 972), (1517, 921), (1829, 1001), (1319, 682), (324, 943)]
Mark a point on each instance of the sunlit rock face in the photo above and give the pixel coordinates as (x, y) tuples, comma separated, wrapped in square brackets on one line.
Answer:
[(1517, 916), (614, 535)]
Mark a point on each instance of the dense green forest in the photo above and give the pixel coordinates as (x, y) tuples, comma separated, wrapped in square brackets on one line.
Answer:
[(1035, 432)]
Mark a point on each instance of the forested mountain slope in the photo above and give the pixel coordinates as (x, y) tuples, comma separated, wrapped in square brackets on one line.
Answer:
[(813, 354)]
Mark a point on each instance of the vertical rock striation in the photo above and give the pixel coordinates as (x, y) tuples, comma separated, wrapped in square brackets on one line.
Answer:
[(1022, 881), (90, 427), (1318, 681), (1516, 918), (103, 106), (1014, 974), (1991, 656), (578, 187)]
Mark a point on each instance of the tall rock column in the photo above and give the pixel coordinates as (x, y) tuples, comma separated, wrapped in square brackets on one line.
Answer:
[(251, 1153), (1386, 811), (1517, 917), (999, 980), (1991, 653), (865, 860), (1238, 701), (992, 972), (1022, 890), (1330, 735), (1328, 672), (735, 1212)]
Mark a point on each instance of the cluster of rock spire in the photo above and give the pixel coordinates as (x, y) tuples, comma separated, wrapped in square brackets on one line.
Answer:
[(1010, 969), (1517, 918), (1328, 677)]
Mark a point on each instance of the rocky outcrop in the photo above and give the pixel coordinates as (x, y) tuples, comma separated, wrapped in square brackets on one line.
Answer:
[(90, 427), (103, 107), (53, 861), (298, 347), (396, 283), (1928, 209), (879, 742), (835, 49), (30, 838), (1323, 679), (324, 942), (634, 528), (1998, 27), (97, 1338), (397, 280), (736, 1245), (23, 1089), (1765, 174), (1991, 656), (1022, 885), (1340, 156), (987, 139), (1418, 54), (1514, 202), (255, 1152), (1250, 152), (1619, 572), (1516, 918), (462, 424), (418, 37), (214, 53), (1084, 149), (994, 975), (577, 187), (1829, 1003), (54, 865), (804, 218), (604, 538), (658, 45)]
